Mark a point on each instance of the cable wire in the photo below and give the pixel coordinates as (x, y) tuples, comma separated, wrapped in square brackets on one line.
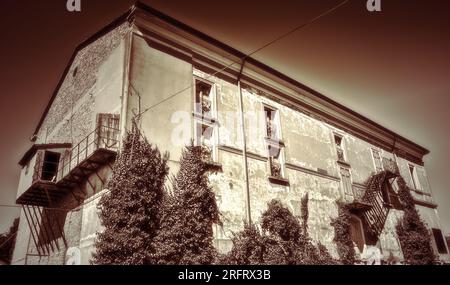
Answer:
[(325, 13)]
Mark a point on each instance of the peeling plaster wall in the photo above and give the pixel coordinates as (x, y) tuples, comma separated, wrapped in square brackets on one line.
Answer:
[(360, 158), (154, 75), (311, 167)]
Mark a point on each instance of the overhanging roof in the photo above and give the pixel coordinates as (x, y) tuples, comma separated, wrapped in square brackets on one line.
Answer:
[(34, 148)]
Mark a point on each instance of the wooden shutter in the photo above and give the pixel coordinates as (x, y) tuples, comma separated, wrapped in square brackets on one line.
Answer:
[(346, 180), (439, 239)]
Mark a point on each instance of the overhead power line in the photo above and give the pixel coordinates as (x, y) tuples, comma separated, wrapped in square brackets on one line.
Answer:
[(280, 37), (297, 28)]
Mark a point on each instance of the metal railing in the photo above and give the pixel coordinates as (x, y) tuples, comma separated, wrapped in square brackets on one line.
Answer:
[(358, 192), (103, 137)]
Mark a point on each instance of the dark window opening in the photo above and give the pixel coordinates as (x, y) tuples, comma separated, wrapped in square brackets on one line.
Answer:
[(271, 126), (440, 243), (50, 166), (203, 102), (339, 148), (411, 171), (346, 180), (51, 226)]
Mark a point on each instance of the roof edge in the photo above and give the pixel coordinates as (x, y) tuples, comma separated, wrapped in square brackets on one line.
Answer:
[(111, 26), (139, 5), (34, 148)]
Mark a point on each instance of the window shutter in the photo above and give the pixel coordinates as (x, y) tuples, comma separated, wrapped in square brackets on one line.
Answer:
[(423, 181)]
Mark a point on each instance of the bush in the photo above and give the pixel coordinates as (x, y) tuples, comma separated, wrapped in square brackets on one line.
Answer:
[(415, 239), (342, 236), (282, 241)]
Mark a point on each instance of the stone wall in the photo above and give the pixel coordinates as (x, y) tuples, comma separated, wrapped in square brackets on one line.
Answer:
[(92, 85), (71, 115)]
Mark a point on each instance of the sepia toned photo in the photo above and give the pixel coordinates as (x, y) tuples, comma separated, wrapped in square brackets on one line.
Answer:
[(234, 133)]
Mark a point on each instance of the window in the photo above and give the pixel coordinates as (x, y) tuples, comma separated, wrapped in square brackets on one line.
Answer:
[(272, 128), (205, 136), (412, 172), (275, 161), (205, 130), (439, 239), (377, 160), (108, 130), (346, 180), (50, 166), (338, 140), (204, 95), (274, 143)]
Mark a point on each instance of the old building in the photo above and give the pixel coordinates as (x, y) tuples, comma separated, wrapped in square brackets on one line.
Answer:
[(273, 138)]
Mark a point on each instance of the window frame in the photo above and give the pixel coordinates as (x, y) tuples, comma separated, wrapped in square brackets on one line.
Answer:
[(440, 249), (341, 167), (372, 151), (414, 178), (212, 97), (276, 142), (214, 137), (342, 147)]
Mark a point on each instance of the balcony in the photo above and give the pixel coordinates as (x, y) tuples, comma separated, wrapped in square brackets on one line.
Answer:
[(96, 149), (57, 170)]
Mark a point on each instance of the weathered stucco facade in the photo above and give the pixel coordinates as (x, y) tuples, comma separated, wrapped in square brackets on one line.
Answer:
[(146, 63)]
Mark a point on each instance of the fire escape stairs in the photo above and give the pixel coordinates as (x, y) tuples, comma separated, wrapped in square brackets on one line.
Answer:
[(377, 215)]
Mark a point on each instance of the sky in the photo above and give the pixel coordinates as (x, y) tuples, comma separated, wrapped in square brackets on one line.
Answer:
[(391, 66)]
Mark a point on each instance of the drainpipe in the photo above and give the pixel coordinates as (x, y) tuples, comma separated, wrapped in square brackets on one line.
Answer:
[(125, 87), (244, 146)]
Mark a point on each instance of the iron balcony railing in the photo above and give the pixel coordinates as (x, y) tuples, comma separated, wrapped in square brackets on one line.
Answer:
[(103, 137)]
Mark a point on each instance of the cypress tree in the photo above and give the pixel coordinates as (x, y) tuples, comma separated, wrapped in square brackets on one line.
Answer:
[(130, 210), (190, 210), (415, 239)]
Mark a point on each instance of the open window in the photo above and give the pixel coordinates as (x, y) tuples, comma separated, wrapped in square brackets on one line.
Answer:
[(205, 136), (50, 166), (274, 145), (440, 242), (378, 164), (346, 180), (339, 143), (204, 98), (413, 174)]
